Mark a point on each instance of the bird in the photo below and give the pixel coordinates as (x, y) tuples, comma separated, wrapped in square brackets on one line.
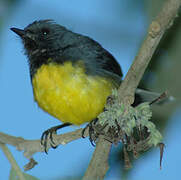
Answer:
[(71, 74)]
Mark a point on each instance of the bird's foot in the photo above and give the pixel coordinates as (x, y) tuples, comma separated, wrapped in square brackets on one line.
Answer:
[(48, 135), (94, 131)]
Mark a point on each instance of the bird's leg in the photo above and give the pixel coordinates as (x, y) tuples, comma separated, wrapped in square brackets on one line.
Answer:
[(48, 133), (91, 130)]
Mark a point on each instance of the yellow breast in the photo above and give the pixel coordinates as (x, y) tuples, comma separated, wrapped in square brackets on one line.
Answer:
[(68, 93)]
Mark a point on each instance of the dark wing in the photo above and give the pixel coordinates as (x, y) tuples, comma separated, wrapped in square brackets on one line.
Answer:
[(97, 60)]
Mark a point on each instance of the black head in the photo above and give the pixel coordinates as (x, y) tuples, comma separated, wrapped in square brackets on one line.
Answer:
[(42, 40), (40, 36)]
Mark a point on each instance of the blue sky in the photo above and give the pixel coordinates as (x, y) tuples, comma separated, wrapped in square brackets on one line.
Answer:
[(120, 29)]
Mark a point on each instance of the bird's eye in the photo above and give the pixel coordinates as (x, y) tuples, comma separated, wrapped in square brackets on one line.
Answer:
[(45, 31)]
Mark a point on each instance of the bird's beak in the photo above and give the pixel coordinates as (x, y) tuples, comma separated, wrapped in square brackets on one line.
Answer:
[(19, 32)]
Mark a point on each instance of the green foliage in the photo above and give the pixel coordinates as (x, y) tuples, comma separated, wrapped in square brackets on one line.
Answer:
[(128, 118)]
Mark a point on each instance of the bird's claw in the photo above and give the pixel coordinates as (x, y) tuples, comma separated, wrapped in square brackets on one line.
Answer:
[(48, 134)]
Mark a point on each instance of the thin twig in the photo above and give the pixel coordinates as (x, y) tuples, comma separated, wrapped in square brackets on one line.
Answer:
[(31, 147), (12, 161)]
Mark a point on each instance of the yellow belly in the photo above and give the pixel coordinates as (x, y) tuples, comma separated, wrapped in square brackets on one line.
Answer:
[(67, 93)]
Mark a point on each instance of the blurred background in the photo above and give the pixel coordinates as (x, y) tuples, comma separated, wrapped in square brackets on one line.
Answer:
[(120, 26)]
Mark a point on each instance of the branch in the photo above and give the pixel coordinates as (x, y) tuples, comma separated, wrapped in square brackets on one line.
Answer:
[(155, 32), (127, 89), (12, 161), (101, 161), (31, 147)]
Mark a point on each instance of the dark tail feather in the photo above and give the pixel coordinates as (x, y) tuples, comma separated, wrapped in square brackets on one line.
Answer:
[(148, 96)]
